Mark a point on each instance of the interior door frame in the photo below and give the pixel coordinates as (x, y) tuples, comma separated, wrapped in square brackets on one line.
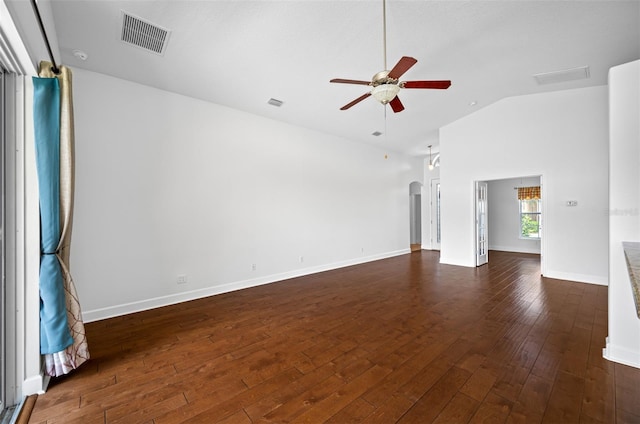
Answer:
[(415, 216), (543, 214), (435, 218)]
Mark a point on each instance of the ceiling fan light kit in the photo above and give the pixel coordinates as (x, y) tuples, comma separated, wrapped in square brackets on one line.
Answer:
[(385, 93), (386, 84)]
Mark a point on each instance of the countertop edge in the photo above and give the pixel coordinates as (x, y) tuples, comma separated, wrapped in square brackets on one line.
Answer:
[(632, 256)]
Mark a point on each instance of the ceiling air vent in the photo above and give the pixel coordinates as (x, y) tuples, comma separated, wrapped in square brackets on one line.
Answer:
[(562, 76), (144, 34)]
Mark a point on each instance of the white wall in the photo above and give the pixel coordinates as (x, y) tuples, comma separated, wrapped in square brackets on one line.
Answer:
[(562, 136), (167, 185), (504, 216), (623, 343)]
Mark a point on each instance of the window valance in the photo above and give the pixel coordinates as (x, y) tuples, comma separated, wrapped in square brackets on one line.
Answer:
[(528, 193)]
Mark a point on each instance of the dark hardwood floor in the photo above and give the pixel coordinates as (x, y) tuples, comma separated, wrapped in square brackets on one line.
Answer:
[(402, 340)]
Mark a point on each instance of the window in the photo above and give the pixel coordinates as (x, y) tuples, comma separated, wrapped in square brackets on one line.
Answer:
[(530, 212)]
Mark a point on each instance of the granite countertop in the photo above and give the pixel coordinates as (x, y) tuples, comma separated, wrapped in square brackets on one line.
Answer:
[(632, 255)]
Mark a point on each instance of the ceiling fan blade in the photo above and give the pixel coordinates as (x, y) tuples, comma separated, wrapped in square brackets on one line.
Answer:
[(396, 105), (401, 67), (356, 101), (427, 84), (348, 81)]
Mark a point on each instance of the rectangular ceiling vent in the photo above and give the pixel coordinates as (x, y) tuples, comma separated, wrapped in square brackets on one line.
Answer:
[(275, 102), (565, 75), (144, 34)]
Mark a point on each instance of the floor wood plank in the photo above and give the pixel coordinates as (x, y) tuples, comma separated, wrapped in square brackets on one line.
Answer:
[(401, 340)]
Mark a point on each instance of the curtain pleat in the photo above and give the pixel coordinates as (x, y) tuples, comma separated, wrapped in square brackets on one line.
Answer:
[(76, 352)]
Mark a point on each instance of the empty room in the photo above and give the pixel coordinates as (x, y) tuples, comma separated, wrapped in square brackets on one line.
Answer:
[(376, 211)]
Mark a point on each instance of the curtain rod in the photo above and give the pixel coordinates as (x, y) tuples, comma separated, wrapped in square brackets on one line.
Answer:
[(55, 68)]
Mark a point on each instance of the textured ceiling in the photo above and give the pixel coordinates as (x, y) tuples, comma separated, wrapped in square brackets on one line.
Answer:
[(242, 53)]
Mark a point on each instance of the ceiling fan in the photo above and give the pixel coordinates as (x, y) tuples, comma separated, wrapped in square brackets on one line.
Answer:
[(386, 84)]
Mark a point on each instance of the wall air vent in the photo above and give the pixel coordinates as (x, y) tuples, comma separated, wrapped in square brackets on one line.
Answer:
[(563, 76), (144, 34)]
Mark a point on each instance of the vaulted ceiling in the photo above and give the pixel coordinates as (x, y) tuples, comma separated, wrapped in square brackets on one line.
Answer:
[(241, 53)]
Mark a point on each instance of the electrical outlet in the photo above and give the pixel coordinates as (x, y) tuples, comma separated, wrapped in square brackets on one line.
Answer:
[(182, 279), (301, 259), (253, 267), (572, 203)]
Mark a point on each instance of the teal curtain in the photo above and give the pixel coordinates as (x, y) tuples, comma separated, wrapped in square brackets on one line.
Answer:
[(54, 327)]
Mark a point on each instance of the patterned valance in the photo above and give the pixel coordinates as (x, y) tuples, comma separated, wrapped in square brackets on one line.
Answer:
[(528, 193)]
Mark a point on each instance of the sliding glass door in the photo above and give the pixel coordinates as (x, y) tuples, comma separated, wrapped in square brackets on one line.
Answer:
[(3, 291), (9, 345)]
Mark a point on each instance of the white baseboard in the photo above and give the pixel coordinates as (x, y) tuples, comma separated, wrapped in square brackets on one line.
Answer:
[(621, 355), (36, 384), (157, 302), (516, 249), (580, 278), (446, 261)]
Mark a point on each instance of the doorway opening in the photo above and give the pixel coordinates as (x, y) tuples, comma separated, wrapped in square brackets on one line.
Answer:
[(511, 217), (415, 216)]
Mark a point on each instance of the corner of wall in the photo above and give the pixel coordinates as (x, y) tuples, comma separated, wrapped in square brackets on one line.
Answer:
[(621, 355)]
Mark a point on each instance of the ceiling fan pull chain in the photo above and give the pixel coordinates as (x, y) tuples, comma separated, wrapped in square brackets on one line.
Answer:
[(384, 31), (386, 134)]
